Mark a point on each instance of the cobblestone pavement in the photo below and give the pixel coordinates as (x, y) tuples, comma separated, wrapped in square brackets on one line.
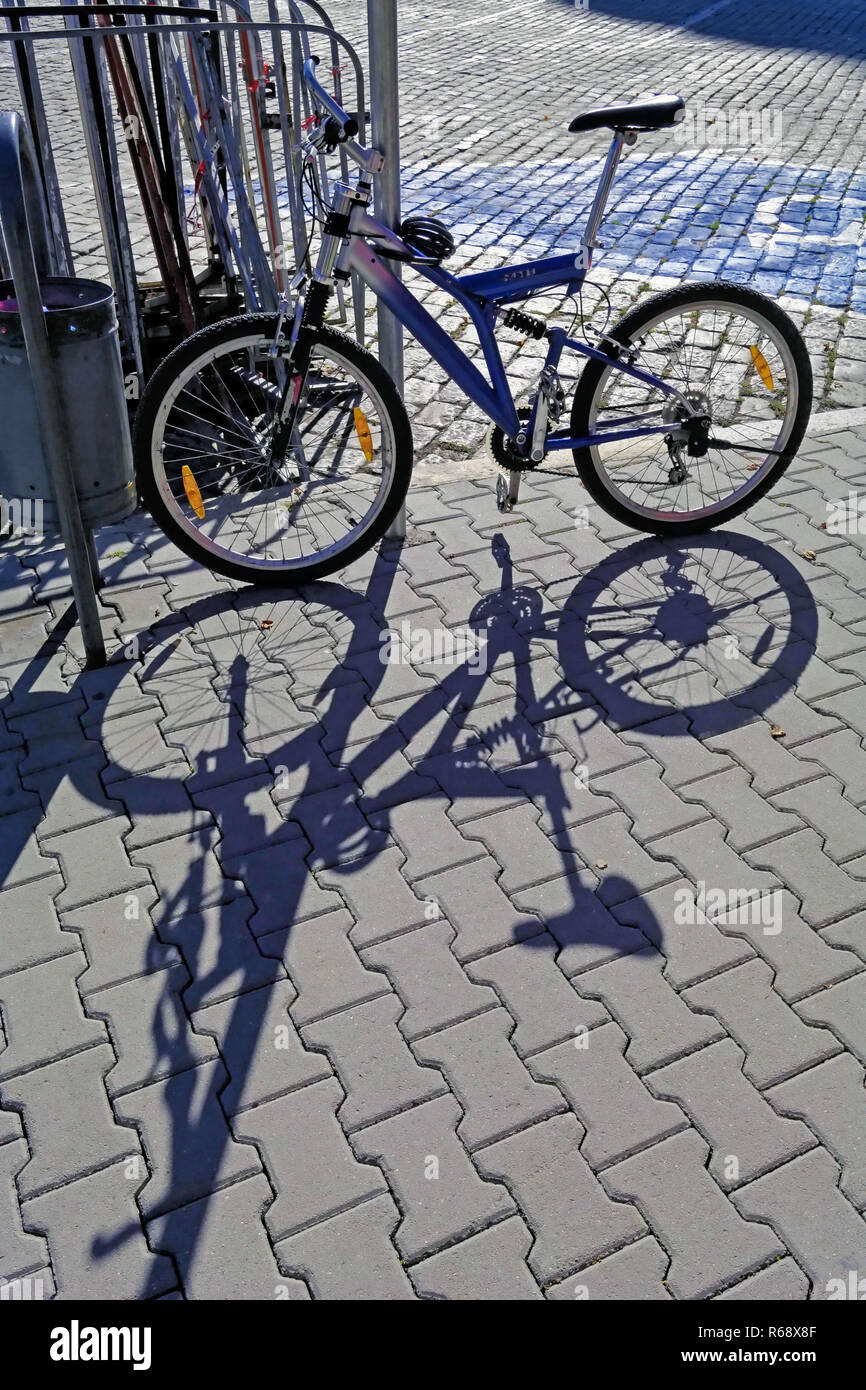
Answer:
[(533, 966), (525, 967)]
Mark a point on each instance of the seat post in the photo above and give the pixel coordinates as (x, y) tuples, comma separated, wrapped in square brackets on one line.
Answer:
[(596, 212)]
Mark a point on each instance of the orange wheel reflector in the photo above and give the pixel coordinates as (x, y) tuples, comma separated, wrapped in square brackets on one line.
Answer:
[(764, 372), (190, 487), (364, 435)]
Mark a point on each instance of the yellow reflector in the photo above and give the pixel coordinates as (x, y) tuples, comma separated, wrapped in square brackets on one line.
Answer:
[(190, 487), (764, 372), (364, 435)]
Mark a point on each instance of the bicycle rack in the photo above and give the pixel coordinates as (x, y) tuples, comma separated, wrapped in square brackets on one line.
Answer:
[(160, 57), (28, 251)]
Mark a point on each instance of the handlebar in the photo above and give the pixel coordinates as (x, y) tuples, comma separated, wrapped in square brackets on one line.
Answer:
[(348, 126)]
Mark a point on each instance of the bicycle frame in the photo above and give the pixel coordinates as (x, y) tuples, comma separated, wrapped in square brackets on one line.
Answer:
[(482, 295)]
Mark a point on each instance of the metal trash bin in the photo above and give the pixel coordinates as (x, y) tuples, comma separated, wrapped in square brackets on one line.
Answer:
[(85, 354)]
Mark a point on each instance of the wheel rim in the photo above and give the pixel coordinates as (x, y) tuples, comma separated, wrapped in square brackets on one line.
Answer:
[(753, 403), (216, 419)]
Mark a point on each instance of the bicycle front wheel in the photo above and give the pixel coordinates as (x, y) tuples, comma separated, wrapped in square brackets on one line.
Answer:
[(738, 361), (203, 457)]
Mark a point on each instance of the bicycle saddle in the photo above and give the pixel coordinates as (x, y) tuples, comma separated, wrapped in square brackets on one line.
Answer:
[(652, 114)]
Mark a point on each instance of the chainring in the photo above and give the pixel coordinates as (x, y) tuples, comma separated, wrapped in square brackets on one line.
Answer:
[(501, 449)]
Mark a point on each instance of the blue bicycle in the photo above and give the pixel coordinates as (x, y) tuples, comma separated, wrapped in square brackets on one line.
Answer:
[(275, 449)]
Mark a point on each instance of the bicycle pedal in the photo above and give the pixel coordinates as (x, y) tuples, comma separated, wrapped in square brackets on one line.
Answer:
[(508, 490)]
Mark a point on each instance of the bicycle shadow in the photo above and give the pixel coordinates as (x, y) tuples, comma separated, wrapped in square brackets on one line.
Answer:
[(459, 755)]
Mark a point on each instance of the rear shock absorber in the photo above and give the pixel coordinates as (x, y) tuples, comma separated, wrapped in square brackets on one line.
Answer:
[(524, 323)]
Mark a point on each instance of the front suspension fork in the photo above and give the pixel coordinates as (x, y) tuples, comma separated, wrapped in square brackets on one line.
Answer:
[(298, 364)]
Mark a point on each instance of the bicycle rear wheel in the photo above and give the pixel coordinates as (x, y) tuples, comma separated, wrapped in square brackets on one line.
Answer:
[(740, 362), (202, 451)]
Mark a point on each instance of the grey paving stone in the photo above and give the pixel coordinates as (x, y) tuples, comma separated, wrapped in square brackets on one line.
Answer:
[(95, 864), (13, 795), (74, 797), (749, 819), (831, 1099), (651, 806), (467, 777), (260, 1046), (496, 1091), (587, 932), (588, 736), (246, 815), (22, 1252), (323, 965), (635, 1272), (308, 1158), (54, 737), (149, 1029), (825, 890), (572, 1218), (336, 828), (471, 899), (782, 708), (280, 883), (821, 804), (844, 755), (23, 999), (440, 1194), (31, 932), (537, 994), (220, 953), (851, 932), (612, 851), (98, 1250), (775, 1040), (524, 853), (847, 706), (350, 1256), (427, 837), (841, 1009), (490, 1266), (214, 752), (426, 975), (373, 1062), (135, 747), (770, 764), (221, 1247), (659, 1024), (21, 858), (693, 947), (67, 1119), (560, 788), (187, 873), (706, 858), (682, 757), (612, 1103), (801, 1200), (159, 807), (10, 1126), (746, 1134), (299, 766), (118, 939), (801, 957), (186, 1138), (378, 896), (709, 1243), (782, 1280)]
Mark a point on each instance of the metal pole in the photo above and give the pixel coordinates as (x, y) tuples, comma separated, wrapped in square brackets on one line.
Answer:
[(385, 133), (17, 171)]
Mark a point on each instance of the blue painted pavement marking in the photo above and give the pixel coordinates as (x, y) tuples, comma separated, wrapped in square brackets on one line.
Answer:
[(780, 228)]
